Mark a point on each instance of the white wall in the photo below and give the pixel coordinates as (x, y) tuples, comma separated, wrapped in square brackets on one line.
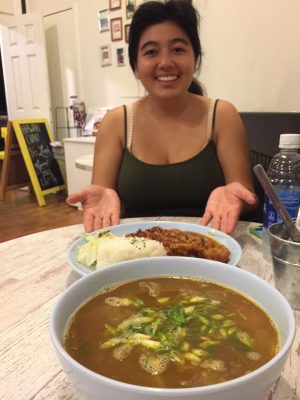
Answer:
[(109, 85), (251, 53)]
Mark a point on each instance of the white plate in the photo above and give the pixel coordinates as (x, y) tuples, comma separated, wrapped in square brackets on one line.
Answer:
[(226, 240)]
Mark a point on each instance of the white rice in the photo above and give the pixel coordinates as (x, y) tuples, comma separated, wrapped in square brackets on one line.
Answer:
[(121, 248)]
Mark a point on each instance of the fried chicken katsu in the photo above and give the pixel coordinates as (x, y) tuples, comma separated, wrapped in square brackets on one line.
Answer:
[(186, 243)]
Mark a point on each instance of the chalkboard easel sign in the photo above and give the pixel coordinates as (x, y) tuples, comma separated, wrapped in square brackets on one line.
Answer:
[(34, 139), (14, 172)]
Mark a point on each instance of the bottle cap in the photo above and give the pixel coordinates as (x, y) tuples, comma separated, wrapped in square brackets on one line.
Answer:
[(289, 141)]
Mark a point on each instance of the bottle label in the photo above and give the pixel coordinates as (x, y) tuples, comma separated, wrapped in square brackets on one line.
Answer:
[(291, 201)]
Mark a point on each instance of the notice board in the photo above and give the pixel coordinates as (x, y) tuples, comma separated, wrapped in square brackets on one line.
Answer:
[(34, 138)]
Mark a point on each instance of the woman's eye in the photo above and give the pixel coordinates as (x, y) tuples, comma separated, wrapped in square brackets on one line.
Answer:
[(178, 50), (150, 52)]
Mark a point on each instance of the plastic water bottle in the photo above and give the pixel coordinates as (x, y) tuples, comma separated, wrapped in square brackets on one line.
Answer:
[(284, 173)]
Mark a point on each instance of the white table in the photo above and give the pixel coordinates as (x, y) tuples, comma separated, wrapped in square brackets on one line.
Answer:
[(85, 162), (34, 272)]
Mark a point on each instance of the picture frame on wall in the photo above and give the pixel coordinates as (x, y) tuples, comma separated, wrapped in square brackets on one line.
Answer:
[(103, 18), (120, 56), (126, 32), (105, 55), (116, 29), (130, 8), (114, 4)]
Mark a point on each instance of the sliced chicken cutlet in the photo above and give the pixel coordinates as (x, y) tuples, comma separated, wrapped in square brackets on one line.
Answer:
[(186, 243)]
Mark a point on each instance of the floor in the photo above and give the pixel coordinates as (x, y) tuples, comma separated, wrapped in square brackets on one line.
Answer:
[(21, 215)]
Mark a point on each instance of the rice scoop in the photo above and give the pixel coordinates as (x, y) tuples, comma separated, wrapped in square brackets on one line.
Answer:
[(110, 249), (120, 248)]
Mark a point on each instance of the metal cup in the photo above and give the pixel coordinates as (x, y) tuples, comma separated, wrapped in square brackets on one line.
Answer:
[(286, 263)]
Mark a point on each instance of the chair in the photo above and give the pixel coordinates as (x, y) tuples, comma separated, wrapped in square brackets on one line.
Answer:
[(263, 159)]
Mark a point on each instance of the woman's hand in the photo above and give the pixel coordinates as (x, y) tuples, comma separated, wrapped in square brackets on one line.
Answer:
[(101, 206), (225, 205)]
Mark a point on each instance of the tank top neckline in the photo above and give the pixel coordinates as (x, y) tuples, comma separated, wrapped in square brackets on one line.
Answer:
[(129, 121), (169, 165)]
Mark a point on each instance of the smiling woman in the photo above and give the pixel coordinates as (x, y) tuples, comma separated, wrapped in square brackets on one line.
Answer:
[(165, 60), (175, 151)]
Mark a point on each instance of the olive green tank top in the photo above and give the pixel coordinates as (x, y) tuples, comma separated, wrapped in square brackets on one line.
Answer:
[(180, 188)]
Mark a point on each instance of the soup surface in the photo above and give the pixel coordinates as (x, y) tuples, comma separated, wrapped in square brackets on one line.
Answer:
[(171, 332)]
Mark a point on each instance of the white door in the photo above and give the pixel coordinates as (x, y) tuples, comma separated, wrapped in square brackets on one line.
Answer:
[(25, 67), (62, 52)]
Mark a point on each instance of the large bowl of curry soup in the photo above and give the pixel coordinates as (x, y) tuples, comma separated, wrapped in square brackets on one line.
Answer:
[(172, 327)]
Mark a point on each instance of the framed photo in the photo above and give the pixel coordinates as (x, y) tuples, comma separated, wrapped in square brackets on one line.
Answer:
[(130, 8), (105, 55), (114, 4), (126, 32), (103, 19), (116, 29), (120, 57)]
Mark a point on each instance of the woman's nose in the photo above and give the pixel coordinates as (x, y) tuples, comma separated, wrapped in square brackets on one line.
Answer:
[(165, 60)]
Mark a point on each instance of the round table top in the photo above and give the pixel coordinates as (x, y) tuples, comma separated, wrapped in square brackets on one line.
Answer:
[(34, 271)]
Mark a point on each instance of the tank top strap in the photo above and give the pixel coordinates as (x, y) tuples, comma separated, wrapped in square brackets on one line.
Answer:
[(125, 124), (128, 125), (211, 118)]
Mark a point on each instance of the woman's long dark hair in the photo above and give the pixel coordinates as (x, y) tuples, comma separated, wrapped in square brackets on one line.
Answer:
[(154, 12)]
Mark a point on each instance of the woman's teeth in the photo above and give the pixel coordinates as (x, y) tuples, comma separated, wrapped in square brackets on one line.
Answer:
[(167, 78)]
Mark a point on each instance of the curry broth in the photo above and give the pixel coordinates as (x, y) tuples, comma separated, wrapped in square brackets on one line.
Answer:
[(192, 360)]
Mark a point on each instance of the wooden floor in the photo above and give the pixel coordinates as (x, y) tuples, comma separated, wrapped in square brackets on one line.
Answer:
[(21, 215)]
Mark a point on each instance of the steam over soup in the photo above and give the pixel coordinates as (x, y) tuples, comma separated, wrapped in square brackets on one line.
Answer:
[(171, 332)]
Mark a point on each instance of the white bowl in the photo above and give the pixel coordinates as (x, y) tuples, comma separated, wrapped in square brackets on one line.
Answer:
[(252, 386)]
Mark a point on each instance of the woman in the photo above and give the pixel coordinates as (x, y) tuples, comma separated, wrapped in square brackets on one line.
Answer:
[(174, 152)]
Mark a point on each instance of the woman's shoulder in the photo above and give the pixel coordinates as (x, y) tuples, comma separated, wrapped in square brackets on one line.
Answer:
[(112, 125), (115, 113), (220, 104), (227, 118), (226, 107), (113, 120)]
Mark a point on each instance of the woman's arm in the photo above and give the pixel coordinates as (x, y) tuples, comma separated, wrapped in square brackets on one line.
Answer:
[(227, 203), (109, 147), (232, 145), (100, 202)]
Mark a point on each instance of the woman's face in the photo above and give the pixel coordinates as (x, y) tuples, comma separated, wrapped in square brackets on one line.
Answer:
[(165, 60)]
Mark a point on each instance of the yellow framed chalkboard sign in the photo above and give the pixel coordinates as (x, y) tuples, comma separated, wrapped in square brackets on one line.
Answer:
[(34, 137)]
